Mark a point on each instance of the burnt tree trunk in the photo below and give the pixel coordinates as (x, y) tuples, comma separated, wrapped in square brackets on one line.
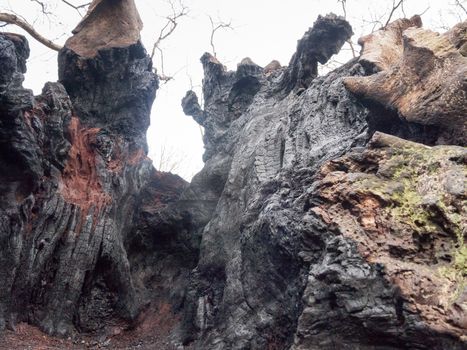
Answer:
[(329, 213), (74, 174), (303, 251)]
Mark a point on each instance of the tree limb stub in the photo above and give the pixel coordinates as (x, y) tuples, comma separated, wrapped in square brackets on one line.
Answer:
[(425, 80), (108, 24)]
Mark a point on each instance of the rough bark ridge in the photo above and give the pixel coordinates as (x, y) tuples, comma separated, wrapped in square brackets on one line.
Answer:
[(75, 176), (290, 260)]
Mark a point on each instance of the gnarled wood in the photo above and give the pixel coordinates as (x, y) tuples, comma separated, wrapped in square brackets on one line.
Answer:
[(426, 83), (383, 47)]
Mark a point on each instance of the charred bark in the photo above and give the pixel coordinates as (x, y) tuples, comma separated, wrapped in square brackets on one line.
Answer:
[(273, 273), (307, 228), (74, 178)]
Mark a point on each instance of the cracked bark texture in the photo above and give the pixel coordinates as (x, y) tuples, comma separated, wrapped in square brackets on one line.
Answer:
[(298, 233), (272, 273), (75, 180)]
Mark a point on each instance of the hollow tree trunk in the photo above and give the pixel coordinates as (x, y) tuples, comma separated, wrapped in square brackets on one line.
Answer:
[(73, 167)]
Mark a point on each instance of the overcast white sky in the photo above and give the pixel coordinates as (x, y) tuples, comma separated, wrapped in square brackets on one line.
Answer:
[(263, 30)]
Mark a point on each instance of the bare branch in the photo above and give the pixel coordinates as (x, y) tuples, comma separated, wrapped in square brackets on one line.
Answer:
[(424, 11), (169, 159), (458, 4), (165, 32), (170, 25), (394, 8), (43, 7), (403, 10), (344, 10), (15, 20), (161, 75), (343, 4), (354, 54), (375, 20), (215, 26), (76, 7)]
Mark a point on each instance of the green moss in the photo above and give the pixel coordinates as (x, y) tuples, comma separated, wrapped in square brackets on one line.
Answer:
[(408, 209), (460, 260), (398, 184), (457, 271), (409, 206)]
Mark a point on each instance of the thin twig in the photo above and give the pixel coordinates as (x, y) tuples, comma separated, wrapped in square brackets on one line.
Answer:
[(343, 4), (165, 32), (161, 75), (43, 7), (375, 21), (163, 35), (354, 54), (458, 4), (424, 11), (394, 8), (403, 10), (76, 7), (215, 26), (170, 25)]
